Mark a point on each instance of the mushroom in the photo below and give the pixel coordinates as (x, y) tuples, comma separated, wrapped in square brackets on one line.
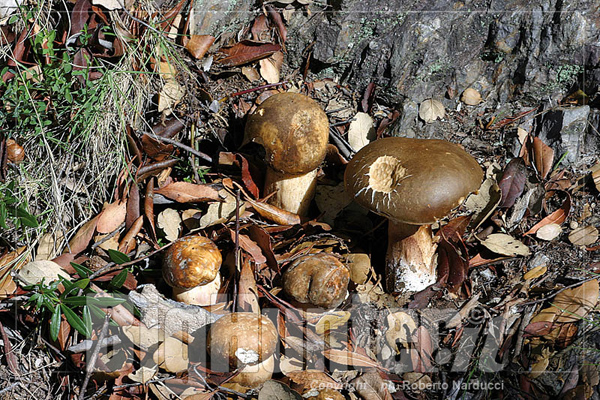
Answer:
[(294, 131), (244, 341), (414, 183), (191, 267), (319, 280)]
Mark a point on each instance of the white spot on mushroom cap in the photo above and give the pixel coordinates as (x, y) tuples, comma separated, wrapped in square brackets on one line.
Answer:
[(247, 356)]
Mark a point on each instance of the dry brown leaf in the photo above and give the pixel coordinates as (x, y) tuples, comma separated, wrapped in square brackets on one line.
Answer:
[(584, 235), (222, 212), (172, 355), (313, 378), (250, 247), (595, 170), (543, 156), (144, 337), (471, 97), (198, 45), (401, 328), (484, 202), (541, 364), (557, 217), (36, 271), (112, 216), (370, 386), (247, 291), (143, 374), (535, 272), (332, 321), (250, 73), (360, 267), (549, 232), (345, 357), (170, 223), (171, 94), (361, 131), (430, 110), (48, 245), (572, 305), (274, 214), (245, 52), (504, 244), (270, 67), (128, 243), (185, 192), (83, 236)]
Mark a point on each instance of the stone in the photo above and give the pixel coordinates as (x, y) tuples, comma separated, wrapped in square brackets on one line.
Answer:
[(565, 130)]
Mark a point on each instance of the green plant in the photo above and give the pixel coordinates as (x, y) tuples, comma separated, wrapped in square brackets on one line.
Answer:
[(13, 211), (75, 303)]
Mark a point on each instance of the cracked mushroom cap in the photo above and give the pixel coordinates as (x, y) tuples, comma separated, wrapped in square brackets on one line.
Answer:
[(191, 261), (318, 279), (414, 181), (242, 338), (294, 131)]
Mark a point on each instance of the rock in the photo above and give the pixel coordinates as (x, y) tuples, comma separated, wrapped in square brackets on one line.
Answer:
[(215, 17), (565, 130), (416, 49)]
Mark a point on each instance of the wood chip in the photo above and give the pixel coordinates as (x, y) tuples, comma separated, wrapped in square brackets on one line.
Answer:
[(584, 235)]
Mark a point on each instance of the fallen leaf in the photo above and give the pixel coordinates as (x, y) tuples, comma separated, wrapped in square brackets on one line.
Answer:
[(471, 97), (535, 272), (274, 390), (541, 364), (595, 170), (48, 245), (504, 244), (250, 247), (270, 67), (543, 156), (250, 73), (144, 337), (430, 110), (401, 328), (34, 272), (247, 291), (361, 131), (549, 232), (245, 52), (170, 223), (198, 45), (172, 355), (143, 374), (512, 182), (83, 236), (360, 267), (557, 217), (185, 192), (370, 386), (111, 216), (110, 5), (349, 358), (171, 94), (484, 203), (422, 355), (275, 214), (584, 235), (332, 321), (222, 212), (312, 378)]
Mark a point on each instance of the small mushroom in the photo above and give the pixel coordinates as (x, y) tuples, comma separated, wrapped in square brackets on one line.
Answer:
[(244, 341), (414, 183), (294, 131), (191, 267), (319, 280)]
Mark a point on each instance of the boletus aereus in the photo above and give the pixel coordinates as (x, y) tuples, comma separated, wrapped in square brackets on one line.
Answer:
[(294, 131), (414, 183)]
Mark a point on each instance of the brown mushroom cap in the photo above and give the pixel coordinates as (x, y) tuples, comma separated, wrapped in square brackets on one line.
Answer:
[(191, 261), (242, 338), (294, 131), (414, 181), (317, 279)]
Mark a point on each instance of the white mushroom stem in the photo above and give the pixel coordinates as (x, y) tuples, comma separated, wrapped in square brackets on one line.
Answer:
[(205, 295), (293, 193), (255, 375), (411, 260)]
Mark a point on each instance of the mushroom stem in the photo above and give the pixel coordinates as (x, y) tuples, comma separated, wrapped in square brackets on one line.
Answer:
[(411, 260), (203, 295), (293, 193)]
